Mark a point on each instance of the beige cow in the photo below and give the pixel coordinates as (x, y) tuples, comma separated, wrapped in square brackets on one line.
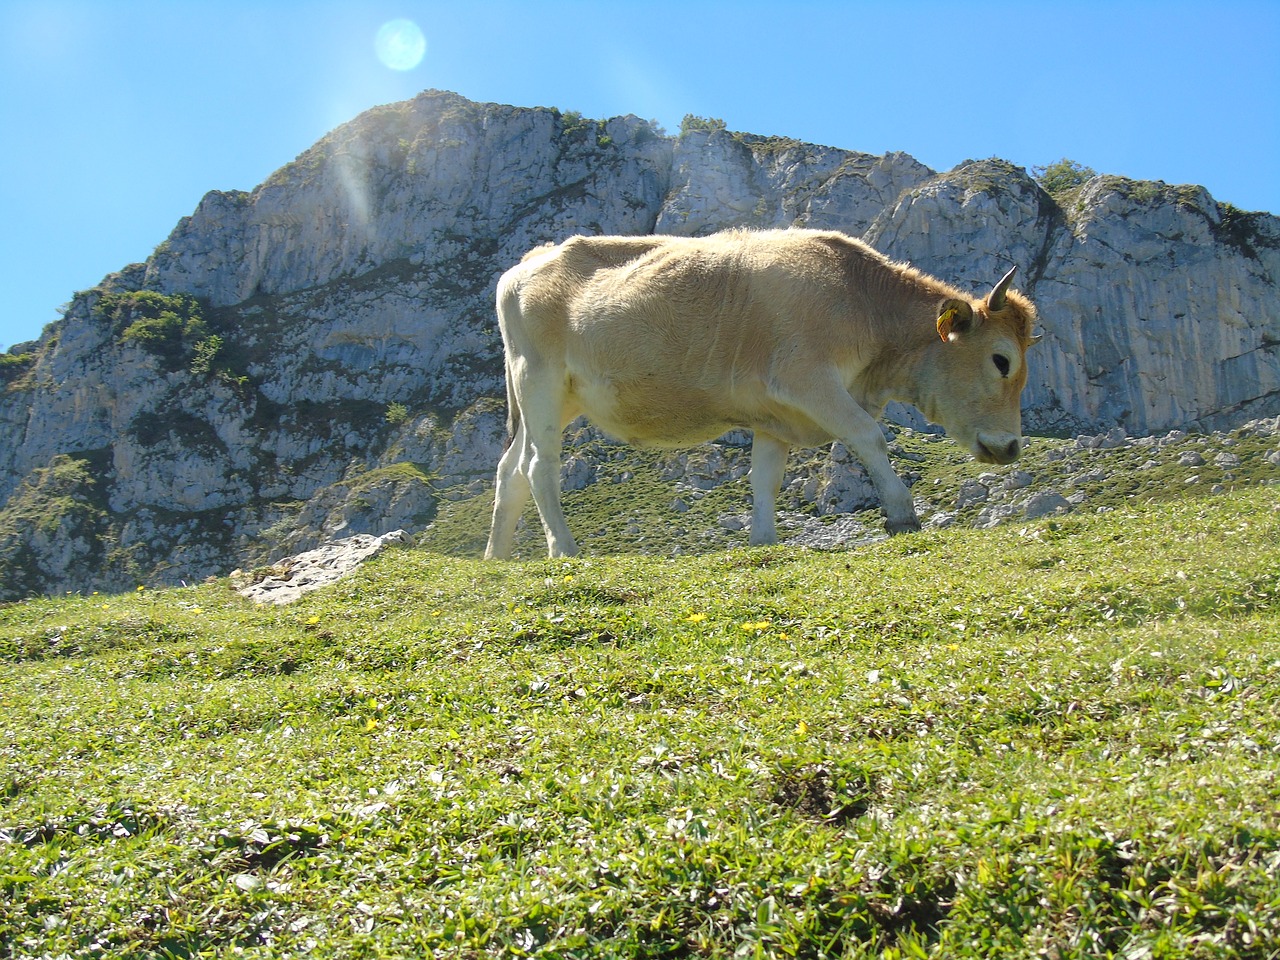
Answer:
[(801, 336)]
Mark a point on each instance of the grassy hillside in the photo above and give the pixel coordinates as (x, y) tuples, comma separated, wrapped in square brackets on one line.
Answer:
[(1055, 739)]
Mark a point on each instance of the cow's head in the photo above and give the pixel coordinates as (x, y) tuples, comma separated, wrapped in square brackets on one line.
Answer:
[(975, 389)]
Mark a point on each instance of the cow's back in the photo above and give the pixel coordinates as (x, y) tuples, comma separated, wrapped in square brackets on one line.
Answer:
[(550, 278), (534, 296)]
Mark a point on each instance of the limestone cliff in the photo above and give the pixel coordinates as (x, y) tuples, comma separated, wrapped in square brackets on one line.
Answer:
[(319, 356)]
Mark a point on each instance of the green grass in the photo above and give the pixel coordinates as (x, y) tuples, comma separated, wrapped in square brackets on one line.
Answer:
[(1051, 739)]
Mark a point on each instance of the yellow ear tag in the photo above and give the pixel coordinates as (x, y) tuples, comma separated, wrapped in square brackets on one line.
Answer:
[(944, 322)]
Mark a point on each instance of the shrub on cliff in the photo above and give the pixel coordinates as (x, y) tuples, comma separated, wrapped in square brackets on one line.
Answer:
[(166, 326), (1058, 178)]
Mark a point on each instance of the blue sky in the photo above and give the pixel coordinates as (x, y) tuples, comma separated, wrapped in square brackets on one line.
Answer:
[(118, 115)]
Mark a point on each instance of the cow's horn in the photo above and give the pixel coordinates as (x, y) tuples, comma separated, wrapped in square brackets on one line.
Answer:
[(996, 300)]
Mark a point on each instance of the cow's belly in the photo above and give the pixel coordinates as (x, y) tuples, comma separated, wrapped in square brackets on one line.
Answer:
[(661, 414), (649, 416)]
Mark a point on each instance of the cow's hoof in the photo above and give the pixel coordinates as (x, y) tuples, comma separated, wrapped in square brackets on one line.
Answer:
[(896, 527)]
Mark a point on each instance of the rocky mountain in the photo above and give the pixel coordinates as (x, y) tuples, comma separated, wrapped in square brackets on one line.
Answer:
[(320, 357)]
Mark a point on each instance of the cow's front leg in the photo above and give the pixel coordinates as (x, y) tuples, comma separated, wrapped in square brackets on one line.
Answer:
[(827, 403), (895, 499), (768, 464)]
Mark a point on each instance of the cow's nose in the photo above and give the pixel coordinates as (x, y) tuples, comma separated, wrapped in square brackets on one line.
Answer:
[(999, 449)]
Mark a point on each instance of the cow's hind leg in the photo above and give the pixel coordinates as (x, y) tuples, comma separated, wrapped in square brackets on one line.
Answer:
[(542, 407), (768, 464), (544, 475), (511, 493)]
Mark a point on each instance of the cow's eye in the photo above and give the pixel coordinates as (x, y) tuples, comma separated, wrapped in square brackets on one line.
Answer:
[(1001, 362)]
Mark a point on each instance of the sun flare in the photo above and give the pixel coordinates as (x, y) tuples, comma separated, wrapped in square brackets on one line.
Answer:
[(400, 44)]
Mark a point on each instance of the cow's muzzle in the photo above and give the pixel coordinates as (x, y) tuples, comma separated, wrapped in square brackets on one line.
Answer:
[(998, 449)]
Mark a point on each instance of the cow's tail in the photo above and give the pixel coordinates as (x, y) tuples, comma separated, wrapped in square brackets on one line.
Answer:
[(508, 308), (513, 411)]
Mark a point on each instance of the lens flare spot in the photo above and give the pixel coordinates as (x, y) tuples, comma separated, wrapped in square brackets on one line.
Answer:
[(400, 44)]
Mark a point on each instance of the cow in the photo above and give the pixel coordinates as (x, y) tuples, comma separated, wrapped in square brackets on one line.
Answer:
[(801, 336)]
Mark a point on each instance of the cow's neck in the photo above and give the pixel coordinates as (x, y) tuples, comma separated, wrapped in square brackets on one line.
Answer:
[(919, 375), (906, 364)]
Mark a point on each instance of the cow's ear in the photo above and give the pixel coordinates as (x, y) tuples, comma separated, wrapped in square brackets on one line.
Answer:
[(956, 316)]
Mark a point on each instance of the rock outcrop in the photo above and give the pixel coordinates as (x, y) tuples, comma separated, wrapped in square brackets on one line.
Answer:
[(291, 578), (319, 357)]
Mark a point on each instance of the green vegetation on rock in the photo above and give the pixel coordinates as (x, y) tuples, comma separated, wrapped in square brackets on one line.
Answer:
[(695, 124), (166, 326), (12, 364), (172, 328), (1058, 179)]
